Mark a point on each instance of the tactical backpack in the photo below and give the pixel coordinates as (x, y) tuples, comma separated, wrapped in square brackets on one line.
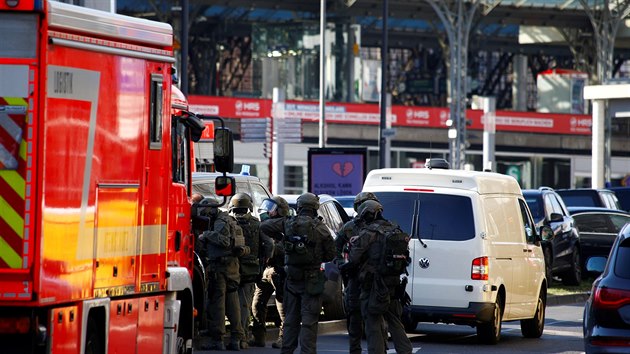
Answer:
[(251, 268), (221, 243), (394, 243), (299, 241)]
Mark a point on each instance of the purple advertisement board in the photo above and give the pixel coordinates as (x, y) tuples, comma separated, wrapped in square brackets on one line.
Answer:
[(336, 171)]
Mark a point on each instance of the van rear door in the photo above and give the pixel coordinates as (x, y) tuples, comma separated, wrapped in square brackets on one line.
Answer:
[(442, 227)]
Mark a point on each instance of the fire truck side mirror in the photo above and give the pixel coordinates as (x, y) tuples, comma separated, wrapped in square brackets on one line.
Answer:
[(223, 150), (224, 186)]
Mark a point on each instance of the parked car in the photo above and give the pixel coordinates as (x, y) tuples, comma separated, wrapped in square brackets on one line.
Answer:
[(347, 202), (203, 183), (598, 229), (476, 254), (334, 216), (607, 310), (562, 249), (603, 198), (623, 196)]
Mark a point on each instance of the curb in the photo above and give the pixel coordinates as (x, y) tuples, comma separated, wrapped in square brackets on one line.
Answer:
[(556, 300)]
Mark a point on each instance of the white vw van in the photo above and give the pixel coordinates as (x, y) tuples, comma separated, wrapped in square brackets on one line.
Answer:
[(476, 257)]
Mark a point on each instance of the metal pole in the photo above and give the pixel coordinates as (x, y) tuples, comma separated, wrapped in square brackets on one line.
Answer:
[(322, 74), (382, 139), (489, 129), (277, 145), (184, 49), (598, 153)]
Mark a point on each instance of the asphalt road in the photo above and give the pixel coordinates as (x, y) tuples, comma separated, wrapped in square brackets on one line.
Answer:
[(562, 334)]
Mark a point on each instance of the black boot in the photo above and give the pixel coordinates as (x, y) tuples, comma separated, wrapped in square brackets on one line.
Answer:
[(234, 345)]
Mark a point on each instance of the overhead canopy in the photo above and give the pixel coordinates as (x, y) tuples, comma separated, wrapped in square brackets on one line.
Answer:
[(410, 22)]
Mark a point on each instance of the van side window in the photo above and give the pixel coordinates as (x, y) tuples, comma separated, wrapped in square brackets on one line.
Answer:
[(528, 225)]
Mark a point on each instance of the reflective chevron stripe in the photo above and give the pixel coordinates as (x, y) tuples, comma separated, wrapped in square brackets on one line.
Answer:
[(13, 117)]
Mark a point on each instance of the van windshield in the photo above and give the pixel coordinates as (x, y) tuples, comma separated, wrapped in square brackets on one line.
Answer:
[(441, 216)]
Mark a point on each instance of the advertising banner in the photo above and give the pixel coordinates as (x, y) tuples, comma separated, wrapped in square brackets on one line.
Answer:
[(401, 116)]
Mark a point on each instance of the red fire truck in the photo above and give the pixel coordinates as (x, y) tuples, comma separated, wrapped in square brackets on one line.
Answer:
[(96, 249)]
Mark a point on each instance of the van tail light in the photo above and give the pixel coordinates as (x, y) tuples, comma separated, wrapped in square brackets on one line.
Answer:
[(610, 299), (479, 269)]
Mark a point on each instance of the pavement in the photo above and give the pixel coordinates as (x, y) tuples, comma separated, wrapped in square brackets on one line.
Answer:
[(326, 327)]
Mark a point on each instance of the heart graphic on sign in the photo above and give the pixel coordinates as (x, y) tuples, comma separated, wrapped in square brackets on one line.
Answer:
[(343, 169)]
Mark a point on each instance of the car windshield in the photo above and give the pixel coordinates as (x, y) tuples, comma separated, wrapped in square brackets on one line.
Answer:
[(580, 199), (207, 190), (441, 216), (535, 207)]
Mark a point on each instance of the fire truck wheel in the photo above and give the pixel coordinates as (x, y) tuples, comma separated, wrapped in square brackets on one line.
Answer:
[(93, 340)]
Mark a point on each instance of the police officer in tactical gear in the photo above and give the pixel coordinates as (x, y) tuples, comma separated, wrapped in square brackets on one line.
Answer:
[(352, 289), (273, 213), (308, 243), (366, 255), (251, 265), (223, 244)]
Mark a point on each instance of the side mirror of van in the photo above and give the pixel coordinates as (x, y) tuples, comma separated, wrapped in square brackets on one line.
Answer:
[(545, 233), (223, 150), (224, 186)]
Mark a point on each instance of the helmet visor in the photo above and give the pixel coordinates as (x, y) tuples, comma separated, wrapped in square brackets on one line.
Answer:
[(268, 206)]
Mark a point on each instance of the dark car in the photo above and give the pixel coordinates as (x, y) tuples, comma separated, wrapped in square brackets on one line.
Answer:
[(562, 248), (334, 216), (623, 196), (607, 311), (603, 198), (598, 228)]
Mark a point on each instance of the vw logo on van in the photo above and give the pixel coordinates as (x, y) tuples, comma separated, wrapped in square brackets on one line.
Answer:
[(423, 263)]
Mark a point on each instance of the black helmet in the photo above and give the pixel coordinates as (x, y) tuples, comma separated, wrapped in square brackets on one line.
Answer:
[(241, 201), (361, 197), (308, 201), (283, 206), (275, 206), (369, 210)]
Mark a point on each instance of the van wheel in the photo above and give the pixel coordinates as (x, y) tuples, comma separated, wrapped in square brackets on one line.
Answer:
[(490, 333), (574, 275), (533, 327)]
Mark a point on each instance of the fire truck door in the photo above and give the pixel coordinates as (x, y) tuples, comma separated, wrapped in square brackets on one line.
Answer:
[(152, 241)]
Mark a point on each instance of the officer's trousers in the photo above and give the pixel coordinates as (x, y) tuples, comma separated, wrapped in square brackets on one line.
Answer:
[(245, 296), (374, 329), (271, 281), (352, 302), (299, 308), (223, 294)]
